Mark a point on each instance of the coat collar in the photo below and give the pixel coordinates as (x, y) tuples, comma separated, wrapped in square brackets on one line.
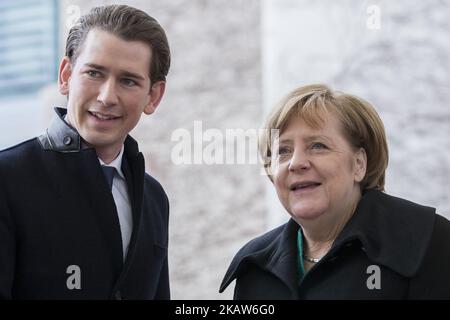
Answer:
[(391, 231), (274, 252), (62, 137)]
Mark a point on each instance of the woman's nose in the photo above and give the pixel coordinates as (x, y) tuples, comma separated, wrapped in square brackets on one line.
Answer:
[(299, 161)]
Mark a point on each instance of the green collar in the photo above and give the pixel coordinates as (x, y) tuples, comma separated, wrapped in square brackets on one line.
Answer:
[(301, 268)]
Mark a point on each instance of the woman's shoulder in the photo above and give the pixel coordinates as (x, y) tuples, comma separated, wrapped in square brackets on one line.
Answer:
[(394, 232), (432, 280), (424, 236), (262, 241), (258, 251), (395, 203), (398, 212), (441, 231), (403, 209)]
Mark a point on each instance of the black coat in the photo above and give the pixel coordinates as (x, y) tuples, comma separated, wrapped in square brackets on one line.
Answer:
[(409, 243), (56, 211)]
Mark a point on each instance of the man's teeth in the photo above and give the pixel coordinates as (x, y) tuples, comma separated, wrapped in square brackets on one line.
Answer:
[(103, 117)]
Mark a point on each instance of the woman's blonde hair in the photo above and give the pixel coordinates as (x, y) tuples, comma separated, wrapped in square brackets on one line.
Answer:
[(360, 122)]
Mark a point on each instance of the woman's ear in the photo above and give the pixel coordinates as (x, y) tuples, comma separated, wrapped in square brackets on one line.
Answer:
[(360, 164), (155, 96), (65, 72)]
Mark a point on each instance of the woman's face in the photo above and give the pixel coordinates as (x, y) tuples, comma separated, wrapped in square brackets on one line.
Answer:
[(318, 171)]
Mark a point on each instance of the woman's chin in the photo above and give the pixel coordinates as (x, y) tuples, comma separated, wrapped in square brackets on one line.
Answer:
[(306, 213)]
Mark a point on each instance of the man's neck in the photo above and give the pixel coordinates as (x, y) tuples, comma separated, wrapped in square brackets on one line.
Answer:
[(108, 154)]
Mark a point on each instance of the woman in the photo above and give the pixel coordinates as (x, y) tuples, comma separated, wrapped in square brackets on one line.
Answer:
[(346, 238)]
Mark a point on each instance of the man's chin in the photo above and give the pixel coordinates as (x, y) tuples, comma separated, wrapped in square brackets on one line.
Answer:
[(99, 142)]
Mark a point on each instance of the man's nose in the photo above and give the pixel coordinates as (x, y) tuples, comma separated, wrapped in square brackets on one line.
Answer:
[(107, 95), (299, 161)]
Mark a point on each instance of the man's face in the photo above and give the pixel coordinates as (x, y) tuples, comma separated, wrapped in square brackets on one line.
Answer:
[(108, 88)]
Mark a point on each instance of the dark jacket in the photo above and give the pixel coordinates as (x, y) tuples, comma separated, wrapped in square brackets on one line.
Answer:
[(409, 243), (56, 211)]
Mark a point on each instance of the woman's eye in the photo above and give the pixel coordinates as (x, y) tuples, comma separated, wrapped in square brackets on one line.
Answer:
[(318, 145), (283, 150)]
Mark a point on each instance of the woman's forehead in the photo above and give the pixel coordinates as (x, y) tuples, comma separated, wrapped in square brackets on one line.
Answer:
[(317, 125)]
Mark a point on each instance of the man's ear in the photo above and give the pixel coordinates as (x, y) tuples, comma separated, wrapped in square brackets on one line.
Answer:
[(156, 93), (360, 164), (65, 72)]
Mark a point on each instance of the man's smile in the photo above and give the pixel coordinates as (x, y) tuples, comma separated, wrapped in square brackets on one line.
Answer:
[(103, 117)]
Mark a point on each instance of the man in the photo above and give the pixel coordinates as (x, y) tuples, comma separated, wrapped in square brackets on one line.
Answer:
[(79, 217)]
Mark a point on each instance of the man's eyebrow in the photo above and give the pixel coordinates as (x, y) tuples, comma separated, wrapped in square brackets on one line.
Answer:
[(124, 73), (95, 66), (133, 75)]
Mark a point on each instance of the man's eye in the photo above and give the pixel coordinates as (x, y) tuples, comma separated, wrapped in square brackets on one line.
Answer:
[(129, 82), (93, 73), (318, 145)]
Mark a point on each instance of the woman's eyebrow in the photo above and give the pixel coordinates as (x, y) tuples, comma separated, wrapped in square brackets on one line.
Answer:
[(317, 137), (308, 138)]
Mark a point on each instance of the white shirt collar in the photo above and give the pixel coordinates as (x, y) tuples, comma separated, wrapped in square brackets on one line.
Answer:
[(116, 163)]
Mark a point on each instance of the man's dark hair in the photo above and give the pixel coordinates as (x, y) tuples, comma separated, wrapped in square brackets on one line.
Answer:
[(130, 24)]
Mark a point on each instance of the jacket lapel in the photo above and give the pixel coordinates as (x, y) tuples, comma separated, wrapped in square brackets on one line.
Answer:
[(102, 203), (134, 175), (133, 169)]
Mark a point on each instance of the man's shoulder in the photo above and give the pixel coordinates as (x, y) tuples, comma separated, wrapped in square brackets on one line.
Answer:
[(154, 188), (154, 184), (15, 159), (19, 152)]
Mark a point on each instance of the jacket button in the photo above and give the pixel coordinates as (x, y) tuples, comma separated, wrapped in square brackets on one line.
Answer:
[(67, 140), (118, 295)]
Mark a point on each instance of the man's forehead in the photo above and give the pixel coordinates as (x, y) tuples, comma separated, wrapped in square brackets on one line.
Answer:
[(97, 35), (103, 48)]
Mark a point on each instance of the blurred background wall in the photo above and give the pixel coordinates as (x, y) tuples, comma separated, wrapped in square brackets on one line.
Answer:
[(232, 61)]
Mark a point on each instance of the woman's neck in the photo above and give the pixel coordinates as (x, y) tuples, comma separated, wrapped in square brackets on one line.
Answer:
[(320, 234)]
